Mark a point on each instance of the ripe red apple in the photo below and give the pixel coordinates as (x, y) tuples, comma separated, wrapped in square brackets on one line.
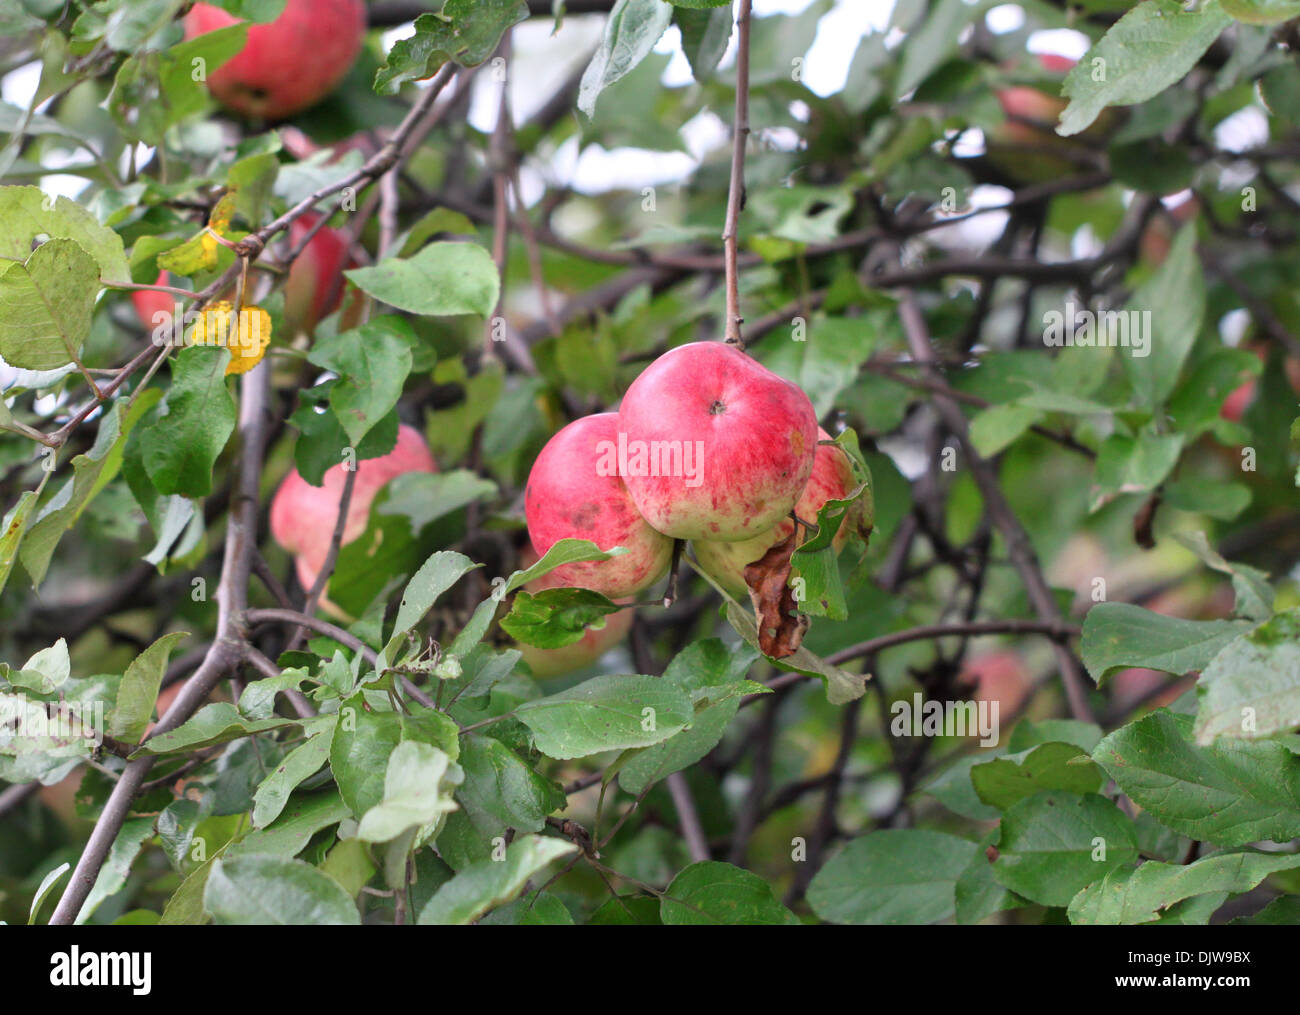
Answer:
[(570, 496), (289, 64), (314, 288), (713, 445), (150, 304), (303, 516), (1025, 146), (831, 479), (595, 641)]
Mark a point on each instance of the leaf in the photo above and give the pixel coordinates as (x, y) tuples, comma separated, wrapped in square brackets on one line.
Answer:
[(1134, 464), (180, 444), (1231, 792), (1131, 895), (705, 34), (993, 429), (1254, 595), (604, 714), (436, 575), (443, 279), (1054, 843), (932, 43), (501, 790), (47, 883), (631, 32), (841, 685), (28, 212), (1252, 688), (1262, 12), (1009, 779), (45, 305), (418, 790), (711, 673), (1150, 48), (718, 894), (113, 874), (216, 723), (466, 31), (1175, 297), (565, 551), (301, 763), (322, 441), (373, 362), (138, 692), (246, 336), (363, 741), (276, 891), (977, 892), (14, 529), (488, 883), (554, 618), (303, 817), (894, 876), (1120, 635)]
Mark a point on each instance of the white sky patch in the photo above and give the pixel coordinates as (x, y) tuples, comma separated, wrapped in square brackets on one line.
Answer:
[(1062, 41), (19, 85), (1245, 129), (975, 233), (1005, 18), (1233, 326)]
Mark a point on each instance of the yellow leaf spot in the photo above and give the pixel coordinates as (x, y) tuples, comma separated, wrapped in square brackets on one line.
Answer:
[(247, 339)]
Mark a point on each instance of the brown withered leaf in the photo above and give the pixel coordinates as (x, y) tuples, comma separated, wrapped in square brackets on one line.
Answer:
[(781, 626)]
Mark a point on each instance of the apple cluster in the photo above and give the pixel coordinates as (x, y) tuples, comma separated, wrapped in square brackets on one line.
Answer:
[(707, 445)]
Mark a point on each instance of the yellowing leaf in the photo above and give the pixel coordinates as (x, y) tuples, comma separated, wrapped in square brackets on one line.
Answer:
[(247, 341), (199, 253)]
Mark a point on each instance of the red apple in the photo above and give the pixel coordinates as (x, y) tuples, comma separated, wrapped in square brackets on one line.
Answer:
[(831, 479), (303, 516), (289, 64), (713, 445), (570, 496), (314, 288), (595, 641), (155, 308)]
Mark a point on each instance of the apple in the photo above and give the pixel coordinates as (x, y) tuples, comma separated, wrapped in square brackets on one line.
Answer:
[(1025, 146), (713, 445), (595, 641), (831, 479), (998, 676), (570, 496), (288, 64), (303, 516), (150, 304), (314, 288)]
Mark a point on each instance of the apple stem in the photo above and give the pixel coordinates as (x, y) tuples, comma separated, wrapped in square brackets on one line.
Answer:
[(736, 191), (811, 529), (670, 595)]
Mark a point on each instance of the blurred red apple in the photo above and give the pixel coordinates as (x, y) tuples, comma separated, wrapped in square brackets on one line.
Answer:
[(288, 64), (999, 676), (314, 288)]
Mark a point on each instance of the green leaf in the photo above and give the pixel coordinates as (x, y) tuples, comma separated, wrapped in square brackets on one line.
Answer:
[(705, 35), (1254, 594), (181, 442), (373, 362), (276, 891), (604, 714), (566, 551), (1231, 792), (322, 440), (301, 763), (1028, 733), (436, 575), (418, 790), (1262, 12), (1175, 298), (113, 874), (28, 212), (554, 618), (138, 691), (363, 740), (443, 279), (501, 790), (1252, 688), (1143, 53), (993, 429), (489, 883), (13, 529), (45, 306), (216, 723), (47, 883), (1134, 464), (1054, 843), (935, 41), (894, 876), (1120, 635), (711, 673), (1132, 895), (718, 894), (627, 911), (631, 32), (424, 497), (1009, 779), (303, 817), (841, 685), (466, 31), (978, 894)]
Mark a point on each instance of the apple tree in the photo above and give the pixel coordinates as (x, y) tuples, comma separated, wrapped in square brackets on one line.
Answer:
[(639, 462)]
